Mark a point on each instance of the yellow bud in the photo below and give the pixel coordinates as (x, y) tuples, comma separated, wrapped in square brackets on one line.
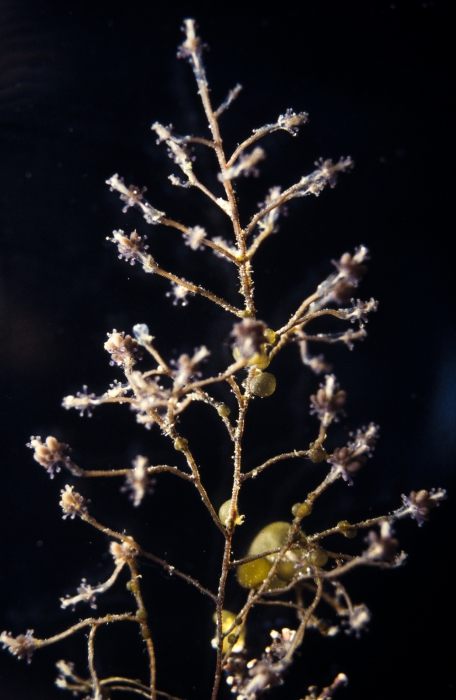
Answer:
[(252, 573), (237, 635), (277, 583), (271, 336), (224, 512), (273, 536), (259, 359), (286, 570), (346, 529), (263, 384), (318, 557), (132, 586), (317, 453), (223, 410), (301, 510), (180, 444)]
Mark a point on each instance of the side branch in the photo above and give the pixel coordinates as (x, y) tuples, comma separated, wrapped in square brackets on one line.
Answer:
[(290, 121), (287, 455), (203, 241), (150, 265), (88, 622), (191, 49), (326, 174), (84, 515)]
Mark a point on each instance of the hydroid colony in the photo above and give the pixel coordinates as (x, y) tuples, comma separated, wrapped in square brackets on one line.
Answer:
[(288, 564)]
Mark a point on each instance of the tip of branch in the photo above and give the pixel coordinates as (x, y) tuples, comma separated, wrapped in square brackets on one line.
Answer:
[(192, 45)]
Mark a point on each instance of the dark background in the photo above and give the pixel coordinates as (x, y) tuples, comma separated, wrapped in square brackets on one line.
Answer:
[(79, 88)]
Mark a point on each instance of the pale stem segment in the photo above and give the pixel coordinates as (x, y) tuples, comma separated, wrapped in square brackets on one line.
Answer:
[(196, 478), (402, 512), (204, 241), (127, 539), (169, 429), (297, 641), (192, 49), (278, 458), (150, 265), (101, 473), (93, 674), (89, 622), (145, 630), (229, 531), (232, 369)]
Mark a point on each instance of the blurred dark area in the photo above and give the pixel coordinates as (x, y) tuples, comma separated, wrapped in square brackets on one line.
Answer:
[(80, 85)]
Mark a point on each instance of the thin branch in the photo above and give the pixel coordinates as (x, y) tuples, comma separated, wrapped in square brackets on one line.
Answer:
[(93, 674), (183, 447), (135, 687), (191, 49), (299, 320), (200, 395), (253, 557), (88, 622), (352, 564), (138, 691), (278, 458), (401, 512), (236, 391), (230, 525), (232, 95), (99, 473), (144, 553), (172, 571), (259, 240), (152, 266), (345, 337), (330, 478), (232, 369), (283, 603), (145, 629), (200, 140), (297, 641), (298, 314), (88, 593), (287, 122), (163, 367), (309, 184)]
